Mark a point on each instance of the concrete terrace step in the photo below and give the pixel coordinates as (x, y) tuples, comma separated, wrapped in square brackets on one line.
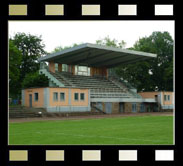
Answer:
[(25, 112), (102, 86), (97, 84), (20, 114), (26, 109)]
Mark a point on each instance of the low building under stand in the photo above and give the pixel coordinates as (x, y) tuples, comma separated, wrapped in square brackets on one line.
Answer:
[(164, 100)]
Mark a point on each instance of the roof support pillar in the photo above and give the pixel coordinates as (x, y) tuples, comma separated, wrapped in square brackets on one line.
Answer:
[(52, 66), (59, 67), (73, 69)]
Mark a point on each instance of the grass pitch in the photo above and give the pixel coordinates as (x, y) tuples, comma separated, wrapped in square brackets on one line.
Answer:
[(139, 130)]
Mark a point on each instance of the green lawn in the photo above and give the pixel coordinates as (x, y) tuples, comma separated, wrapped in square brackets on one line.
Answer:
[(121, 130)]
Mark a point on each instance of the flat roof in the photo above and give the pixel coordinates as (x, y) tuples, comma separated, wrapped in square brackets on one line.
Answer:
[(93, 55), (154, 91), (54, 87)]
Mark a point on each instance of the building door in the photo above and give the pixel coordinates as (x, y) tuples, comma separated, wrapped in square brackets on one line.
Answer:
[(142, 108), (30, 100), (156, 98), (121, 107), (134, 107), (108, 108)]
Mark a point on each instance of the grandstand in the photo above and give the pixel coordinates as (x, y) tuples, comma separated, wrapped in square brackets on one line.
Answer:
[(82, 79)]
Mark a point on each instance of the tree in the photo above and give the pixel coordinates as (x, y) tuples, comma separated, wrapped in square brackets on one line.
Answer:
[(31, 48), (35, 80), (111, 42), (60, 48), (24, 51), (15, 57), (155, 74)]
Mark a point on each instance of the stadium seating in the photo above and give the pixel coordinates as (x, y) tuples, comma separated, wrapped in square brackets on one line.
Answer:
[(100, 87)]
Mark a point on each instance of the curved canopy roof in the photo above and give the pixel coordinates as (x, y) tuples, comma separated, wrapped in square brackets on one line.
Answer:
[(93, 55)]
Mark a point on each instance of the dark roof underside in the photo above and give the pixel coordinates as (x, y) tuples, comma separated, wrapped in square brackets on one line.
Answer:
[(93, 55)]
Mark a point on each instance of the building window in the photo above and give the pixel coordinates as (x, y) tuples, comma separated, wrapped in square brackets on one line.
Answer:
[(55, 96), (165, 97), (36, 96), (56, 66), (168, 97), (76, 98), (62, 96), (65, 68), (142, 107), (82, 96), (82, 70)]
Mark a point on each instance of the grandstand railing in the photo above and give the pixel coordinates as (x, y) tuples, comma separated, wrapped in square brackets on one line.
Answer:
[(126, 84)]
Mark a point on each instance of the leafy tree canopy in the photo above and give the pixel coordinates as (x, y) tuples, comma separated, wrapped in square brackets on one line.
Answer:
[(35, 80), (24, 51), (60, 48), (32, 48), (111, 42), (15, 58), (155, 74)]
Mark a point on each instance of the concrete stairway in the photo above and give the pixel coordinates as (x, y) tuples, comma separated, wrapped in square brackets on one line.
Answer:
[(25, 112), (51, 77), (62, 79), (94, 107)]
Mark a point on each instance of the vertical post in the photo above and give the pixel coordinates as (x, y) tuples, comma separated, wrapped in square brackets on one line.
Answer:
[(89, 97), (46, 97), (107, 72), (59, 67), (73, 69), (23, 97), (52, 66), (104, 72), (70, 98), (69, 68), (91, 71)]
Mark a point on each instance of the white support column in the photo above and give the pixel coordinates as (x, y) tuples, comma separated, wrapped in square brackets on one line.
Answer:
[(173, 99), (46, 97), (161, 98), (23, 97)]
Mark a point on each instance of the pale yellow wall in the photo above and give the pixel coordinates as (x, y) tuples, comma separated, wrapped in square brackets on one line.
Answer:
[(152, 95), (170, 102), (40, 102), (148, 94), (52, 103), (66, 102), (59, 90), (79, 102)]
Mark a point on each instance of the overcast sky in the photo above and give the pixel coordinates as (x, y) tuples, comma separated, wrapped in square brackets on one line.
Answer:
[(66, 33)]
